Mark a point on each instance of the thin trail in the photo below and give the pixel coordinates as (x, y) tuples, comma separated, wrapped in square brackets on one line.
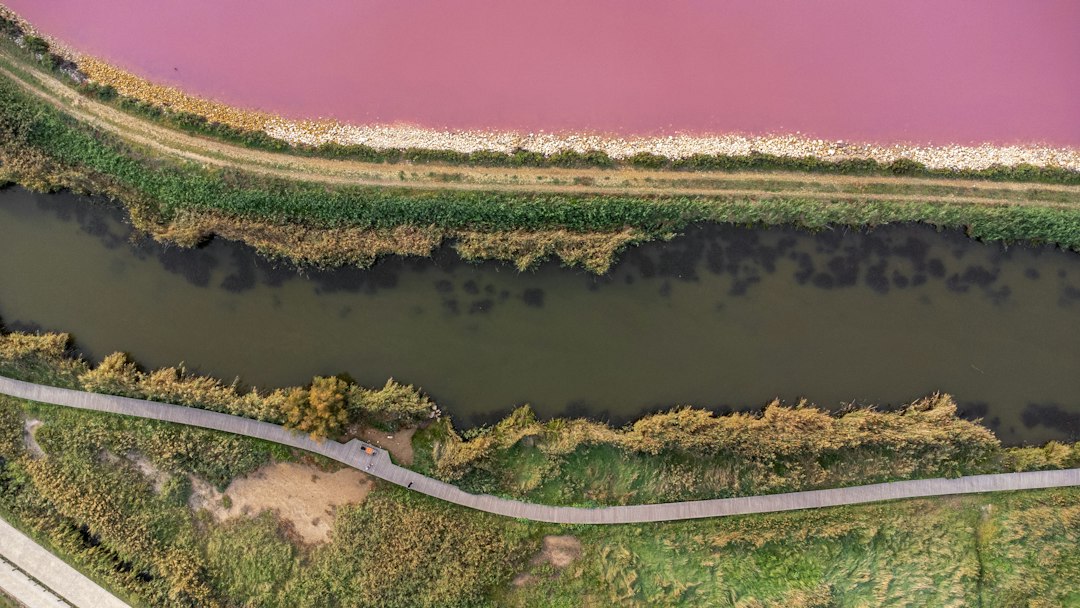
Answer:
[(376, 462), (171, 143)]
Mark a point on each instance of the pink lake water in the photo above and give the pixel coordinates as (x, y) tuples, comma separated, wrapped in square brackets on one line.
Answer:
[(923, 71)]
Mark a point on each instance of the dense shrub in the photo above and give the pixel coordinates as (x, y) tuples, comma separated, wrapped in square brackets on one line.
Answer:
[(691, 454), (319, 410)]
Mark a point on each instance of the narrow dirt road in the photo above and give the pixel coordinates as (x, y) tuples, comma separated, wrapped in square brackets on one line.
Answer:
[(174, 144)]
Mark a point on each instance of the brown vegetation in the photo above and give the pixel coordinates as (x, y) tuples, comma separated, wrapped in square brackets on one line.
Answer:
[(323, 409), (318, 411), (928, 428), (594, 251), (318, 246)]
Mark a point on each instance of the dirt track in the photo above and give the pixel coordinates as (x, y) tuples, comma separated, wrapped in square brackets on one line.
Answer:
[(170, 143)]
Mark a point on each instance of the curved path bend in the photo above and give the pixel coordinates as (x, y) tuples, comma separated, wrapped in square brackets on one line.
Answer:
[(378, 464)]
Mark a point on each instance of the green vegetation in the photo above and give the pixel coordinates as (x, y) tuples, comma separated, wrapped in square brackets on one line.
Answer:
[(48, 359), (330, 223), (86, 495), (947, 552), (682, 454), (398, 549), (319, 411), (688, 454)]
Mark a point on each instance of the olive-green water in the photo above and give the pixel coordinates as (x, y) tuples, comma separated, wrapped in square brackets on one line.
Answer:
[(722, 317)]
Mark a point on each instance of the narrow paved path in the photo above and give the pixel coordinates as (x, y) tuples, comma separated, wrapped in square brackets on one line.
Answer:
[(57, 579), (378, 464)]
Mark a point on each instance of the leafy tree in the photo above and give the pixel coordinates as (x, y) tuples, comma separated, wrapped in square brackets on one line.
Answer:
[(319, 411)]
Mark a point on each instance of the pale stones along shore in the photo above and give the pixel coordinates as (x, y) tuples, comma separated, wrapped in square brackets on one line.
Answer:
[(674, 146)]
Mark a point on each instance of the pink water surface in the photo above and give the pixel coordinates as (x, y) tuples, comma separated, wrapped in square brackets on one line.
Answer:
[(936, 71)]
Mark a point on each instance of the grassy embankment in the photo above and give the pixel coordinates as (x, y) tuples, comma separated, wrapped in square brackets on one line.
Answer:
[(681, 454), (401, 550), (184, 188)]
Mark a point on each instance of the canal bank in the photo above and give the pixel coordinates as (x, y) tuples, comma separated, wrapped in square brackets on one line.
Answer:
[(722, 317)]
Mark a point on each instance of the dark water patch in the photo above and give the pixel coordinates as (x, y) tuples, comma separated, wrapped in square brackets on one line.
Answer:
[(196, 266), (972, 410), (533, 296), (451, 306), (936, 268), (1053, 416), (822, 280), (481, 306), (471, 287), (844, 269), (1069, 295), (875, 278), (27, 327), (244, 275), (1032, 273)]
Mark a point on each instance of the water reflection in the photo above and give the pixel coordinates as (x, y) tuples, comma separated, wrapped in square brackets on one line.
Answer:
[(722, 317)]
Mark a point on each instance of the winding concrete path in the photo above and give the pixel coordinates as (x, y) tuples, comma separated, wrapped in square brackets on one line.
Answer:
[(378, 464)]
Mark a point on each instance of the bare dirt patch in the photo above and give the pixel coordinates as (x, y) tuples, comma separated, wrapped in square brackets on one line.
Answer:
[(302, 495), (557, 551), (156, 476), (399, 444), (31, 444), (149, 470)]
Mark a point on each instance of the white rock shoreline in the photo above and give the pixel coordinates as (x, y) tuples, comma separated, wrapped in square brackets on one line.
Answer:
[(675, 146), (955, 157)]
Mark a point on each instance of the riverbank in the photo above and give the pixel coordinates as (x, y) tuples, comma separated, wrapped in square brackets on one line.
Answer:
[(184, 189), (149, 544), (681, 454)]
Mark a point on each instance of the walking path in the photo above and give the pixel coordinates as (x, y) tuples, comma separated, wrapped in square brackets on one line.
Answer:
[(378, 464), (52, 578)]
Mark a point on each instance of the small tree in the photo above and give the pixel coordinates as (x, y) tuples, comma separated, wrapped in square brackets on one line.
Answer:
[(318, 411)]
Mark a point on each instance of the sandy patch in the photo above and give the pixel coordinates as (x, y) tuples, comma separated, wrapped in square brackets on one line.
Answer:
[(558, 551), (31, 444), (156, 476), (399, 444), (300, 494)]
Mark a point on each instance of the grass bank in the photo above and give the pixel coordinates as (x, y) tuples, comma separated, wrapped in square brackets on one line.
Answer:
[(682, 454), (183, 189), (83, 496)]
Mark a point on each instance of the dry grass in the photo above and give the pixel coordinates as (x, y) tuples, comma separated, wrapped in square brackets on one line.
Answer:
[(594, 251)]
